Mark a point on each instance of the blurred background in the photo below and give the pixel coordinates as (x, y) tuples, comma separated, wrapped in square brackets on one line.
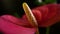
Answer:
[(14, 7)]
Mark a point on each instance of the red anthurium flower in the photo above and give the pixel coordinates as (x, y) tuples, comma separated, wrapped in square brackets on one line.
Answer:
[(45, 15)]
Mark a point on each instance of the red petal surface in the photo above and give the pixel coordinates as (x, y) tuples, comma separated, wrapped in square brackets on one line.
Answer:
[(8, 27), (50, 14)]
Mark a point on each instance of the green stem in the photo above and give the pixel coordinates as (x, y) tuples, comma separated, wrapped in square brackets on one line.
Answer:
[(47, 30)]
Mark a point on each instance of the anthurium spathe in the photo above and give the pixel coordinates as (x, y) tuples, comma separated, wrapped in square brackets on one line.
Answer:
[(47, 15), (8, 26)]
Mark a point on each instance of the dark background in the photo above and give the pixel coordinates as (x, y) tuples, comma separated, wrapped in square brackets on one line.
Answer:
[(15, 7)]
